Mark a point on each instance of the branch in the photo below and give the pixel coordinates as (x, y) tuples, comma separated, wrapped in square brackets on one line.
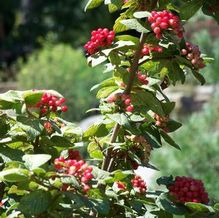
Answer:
[(108, 160)]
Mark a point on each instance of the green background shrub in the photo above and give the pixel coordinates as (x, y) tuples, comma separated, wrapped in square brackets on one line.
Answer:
[(64, 69)]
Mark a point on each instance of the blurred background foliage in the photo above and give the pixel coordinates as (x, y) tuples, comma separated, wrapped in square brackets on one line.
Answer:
[(23, 24), (64, 69), (41, 46)]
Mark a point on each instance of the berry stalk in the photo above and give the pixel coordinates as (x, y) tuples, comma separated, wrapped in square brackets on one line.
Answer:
[(109, 160)]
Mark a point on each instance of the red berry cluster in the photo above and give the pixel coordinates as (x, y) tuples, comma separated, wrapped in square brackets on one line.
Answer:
[(99, 39), (127, 102), (120, 185), (139, 184), (147, 49), (163, 20), (161, 122), (142, 78), (193, 54), (77, 168), (48, 127), (50, 102), (186, 189)]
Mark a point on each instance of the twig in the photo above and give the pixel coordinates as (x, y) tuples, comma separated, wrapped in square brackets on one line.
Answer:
[(108, 160)]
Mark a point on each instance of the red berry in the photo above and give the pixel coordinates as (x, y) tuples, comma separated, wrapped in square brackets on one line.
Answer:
[(64, 108), (99, 39), (127, 101), (121, 185), (130, 108), (163, 20)]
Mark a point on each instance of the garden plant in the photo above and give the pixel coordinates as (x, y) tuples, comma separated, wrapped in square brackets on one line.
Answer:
[(43, 172)]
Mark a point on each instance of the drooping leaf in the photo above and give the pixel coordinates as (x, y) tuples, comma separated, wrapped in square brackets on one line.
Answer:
[(169, 140), (165, 180), (98, 130), (141, 14), (190, 8), (14, 175), (198, 207), (93, 4), (165, 204), (133, 24), (33, 161), (35, 203)]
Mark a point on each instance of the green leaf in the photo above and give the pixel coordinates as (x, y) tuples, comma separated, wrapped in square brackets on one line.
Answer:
[(151, 140), (165, 180), (175, 72), (106, 83), (168, 107), (141, 14), (61, 141), (106, 91), (94, 151), (14, 175), (165, 204), (35, 203), (32, 97), (9, 154), (190, 8), (10, 99), (216, 206), (121, 119), (173, 125), (4, 126), (198, 207), (98, 130), (70, 180), (114, 58), (118, 175), (114, 5), (133, 24), (32, 127), (199, 77), (96, 59), (100, 175), (169, 140), (211, 8), (127, 38), (33, 161), (146, 98), (93, 4)]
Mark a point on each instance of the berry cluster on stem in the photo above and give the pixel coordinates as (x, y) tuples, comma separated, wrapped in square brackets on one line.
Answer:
[(147, 49), (48, 127), (75, 167), (100, 38), (192, 53), (142, 78), (186, 189), (50, 103), (165, 20), (161, 121), (139, 184)]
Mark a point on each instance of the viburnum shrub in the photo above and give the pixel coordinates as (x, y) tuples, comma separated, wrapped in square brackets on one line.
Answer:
[(44, 169)]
